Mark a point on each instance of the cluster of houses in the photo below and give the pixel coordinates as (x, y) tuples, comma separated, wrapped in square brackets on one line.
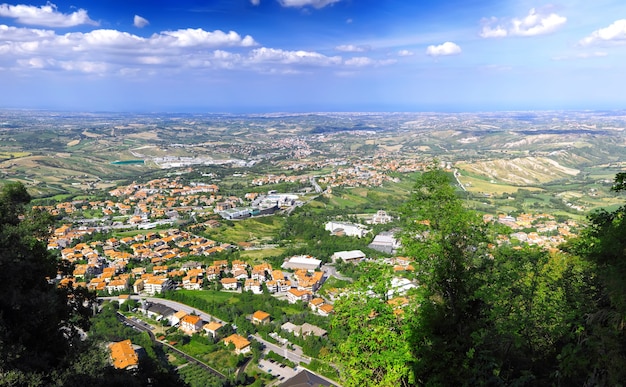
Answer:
[(549, 233), (368, 172), (102, 267)]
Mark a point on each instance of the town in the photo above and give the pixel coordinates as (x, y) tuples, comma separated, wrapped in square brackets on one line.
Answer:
[(157, 258)]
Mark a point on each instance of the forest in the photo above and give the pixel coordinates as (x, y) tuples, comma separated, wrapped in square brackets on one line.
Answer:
[(484, 313)]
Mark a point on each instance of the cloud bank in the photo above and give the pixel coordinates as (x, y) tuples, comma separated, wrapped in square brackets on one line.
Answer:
[(535, 23), (45, 15), (615, 33)]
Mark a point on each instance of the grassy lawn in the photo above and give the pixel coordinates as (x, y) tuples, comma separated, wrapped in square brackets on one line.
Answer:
[(260, 255), (248, 229), (211, 295)]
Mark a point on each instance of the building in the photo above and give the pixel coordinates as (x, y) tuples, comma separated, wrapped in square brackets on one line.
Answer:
[(305, 329), (348, 229), (260, 317), (212, 328), (305, 262), (242, 345), (123, 355), (381, 217), (229, 283), (348, 256), (155, 285), (160, 312), (253, 285), (325, 310), (293, 295), (308, 379), (191, 324), (385, 242)]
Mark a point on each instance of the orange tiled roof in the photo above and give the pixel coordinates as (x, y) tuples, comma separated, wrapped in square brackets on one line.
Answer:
[(240, 342), (260, 315), (123, 354)]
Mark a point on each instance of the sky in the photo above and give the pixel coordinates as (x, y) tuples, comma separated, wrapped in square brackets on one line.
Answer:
[(250, 56)]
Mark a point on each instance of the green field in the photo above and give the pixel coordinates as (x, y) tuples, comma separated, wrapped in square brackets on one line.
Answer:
[(260, 228), (262, 254)]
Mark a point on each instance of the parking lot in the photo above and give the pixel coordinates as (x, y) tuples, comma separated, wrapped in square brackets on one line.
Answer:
[(281, 371)]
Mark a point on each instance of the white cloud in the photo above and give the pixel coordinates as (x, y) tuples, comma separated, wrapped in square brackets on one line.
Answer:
[(363, 61), (45, 15), (201, 38), (359, 61), (615, 33), (265, 54), (489, 32), (352, 48), (304, 3), (583, 55), (140, 22), (405, 53), (120, 53), (447, 48), (537, 22), (255, 2), (36, 48)]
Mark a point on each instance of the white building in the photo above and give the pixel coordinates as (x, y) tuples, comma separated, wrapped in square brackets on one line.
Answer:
[(385, 242), (305, 262), (348, 256), (156, 285), (381, 217), (348, 229)]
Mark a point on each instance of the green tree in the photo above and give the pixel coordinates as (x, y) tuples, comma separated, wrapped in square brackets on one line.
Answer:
[(372, 346), (532, 298), (38, 320), (598, 354), (448, 243)]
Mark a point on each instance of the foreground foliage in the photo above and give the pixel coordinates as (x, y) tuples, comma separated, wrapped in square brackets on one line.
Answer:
[(489, 315)]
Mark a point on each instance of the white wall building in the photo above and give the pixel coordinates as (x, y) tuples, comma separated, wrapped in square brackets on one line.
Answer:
[(349, 229)]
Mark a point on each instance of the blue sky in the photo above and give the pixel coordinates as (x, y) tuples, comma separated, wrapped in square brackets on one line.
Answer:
[(313, 55)]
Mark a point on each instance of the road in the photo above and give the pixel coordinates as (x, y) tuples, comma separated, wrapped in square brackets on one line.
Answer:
[(316, 186), (174, 305), (330, 270), (295, 356)]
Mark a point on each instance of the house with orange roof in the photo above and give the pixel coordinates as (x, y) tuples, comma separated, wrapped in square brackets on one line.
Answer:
[(229, 283), (252, 285), (156, 285), (123, 355), (293, 295), (240, 273), (316, 303), (278, 275), (212, 328), (192, 283), (177, 317), (117, 285), (159, 269), (242, 345), (191, 324), (212, 272), (325, 310), (260, 317)]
